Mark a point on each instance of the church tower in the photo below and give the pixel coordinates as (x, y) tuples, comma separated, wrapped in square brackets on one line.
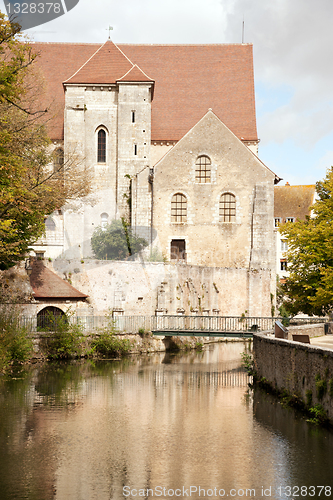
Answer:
[(108, 124)]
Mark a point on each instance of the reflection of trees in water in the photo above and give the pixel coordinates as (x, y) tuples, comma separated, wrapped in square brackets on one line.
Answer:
[(27, 461)]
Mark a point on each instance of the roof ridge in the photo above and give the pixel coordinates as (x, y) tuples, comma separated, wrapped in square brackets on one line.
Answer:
[(142, 44), (132, 68), (183, 44)]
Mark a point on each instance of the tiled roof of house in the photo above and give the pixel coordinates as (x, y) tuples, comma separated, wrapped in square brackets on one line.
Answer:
[(135, 74), (189, 79), (106, 66), (293, 201), (47, 285)]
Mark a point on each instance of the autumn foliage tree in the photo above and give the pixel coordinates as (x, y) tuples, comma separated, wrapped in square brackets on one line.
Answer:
[(30, 187), (309, 287)]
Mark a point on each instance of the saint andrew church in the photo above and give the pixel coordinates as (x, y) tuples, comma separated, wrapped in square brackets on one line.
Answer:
[(172, 129)]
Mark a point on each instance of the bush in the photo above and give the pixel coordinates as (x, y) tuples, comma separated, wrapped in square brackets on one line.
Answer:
[(116, 241), (15, 343), (107, 342), (66, 340)]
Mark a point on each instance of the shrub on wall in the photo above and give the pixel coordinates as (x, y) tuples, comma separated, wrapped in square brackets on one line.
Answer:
[(116, 241)]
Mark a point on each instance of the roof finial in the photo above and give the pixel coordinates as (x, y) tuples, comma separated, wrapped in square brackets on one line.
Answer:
[(110, 28)]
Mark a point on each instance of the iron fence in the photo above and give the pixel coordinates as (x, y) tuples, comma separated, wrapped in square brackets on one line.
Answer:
[(176, 323)]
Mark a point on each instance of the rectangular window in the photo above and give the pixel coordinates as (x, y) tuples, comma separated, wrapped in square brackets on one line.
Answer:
[(284, 245), (283, 265), (177, 250), (135, 149), (277, 221), (290, 219), (133, 116)]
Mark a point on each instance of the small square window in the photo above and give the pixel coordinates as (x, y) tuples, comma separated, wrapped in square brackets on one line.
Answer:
[(290, 219)]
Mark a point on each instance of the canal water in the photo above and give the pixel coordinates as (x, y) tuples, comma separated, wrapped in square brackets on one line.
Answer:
[(161, 426)]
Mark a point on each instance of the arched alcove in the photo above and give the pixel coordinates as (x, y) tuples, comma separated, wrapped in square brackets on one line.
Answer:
[(48, 318)]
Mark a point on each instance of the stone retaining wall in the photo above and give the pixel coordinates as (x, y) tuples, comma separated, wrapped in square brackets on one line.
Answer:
[(301, 369), (141, 344), (311, 330)]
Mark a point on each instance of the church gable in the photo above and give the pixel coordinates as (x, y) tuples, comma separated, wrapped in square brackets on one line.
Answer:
[(210, 188), (211, 137)]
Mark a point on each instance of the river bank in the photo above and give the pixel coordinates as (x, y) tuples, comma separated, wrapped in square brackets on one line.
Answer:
[(300, 373)]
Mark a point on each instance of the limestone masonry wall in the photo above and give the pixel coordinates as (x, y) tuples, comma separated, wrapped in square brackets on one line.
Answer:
[(142, 288), (301, 369)]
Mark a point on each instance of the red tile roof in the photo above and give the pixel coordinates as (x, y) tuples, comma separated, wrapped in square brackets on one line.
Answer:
[(47, 285), (107, 65), (189, 79), (135, 74), (293, 201)]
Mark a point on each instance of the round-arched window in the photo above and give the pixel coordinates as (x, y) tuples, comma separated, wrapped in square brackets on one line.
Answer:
[(179, 208), (227, 208)]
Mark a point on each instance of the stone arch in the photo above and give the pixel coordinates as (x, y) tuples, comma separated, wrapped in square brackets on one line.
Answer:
[(47, 317)]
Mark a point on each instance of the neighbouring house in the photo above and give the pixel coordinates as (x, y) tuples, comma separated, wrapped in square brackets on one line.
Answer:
[(291, 203)]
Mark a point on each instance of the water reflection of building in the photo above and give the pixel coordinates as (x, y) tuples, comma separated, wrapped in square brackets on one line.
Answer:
[(146, 422)]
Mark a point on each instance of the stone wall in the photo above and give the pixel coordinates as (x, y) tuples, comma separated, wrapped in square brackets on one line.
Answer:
[(316, 330), (295, 367), (142, 288)]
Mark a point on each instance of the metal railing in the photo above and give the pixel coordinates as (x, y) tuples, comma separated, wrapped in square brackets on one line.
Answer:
[(176, 323)]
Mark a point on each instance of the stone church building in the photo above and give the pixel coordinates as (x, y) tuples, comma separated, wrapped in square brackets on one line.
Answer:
[(172, 128)]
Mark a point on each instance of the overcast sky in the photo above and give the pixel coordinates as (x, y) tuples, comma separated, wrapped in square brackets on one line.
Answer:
[(293, 42)]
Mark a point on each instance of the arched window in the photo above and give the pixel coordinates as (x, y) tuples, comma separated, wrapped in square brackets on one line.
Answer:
[(101, 146), (58, 160), (104, 220), (50, 318), (227, 207), (178, 208), (202, 169), (50, 224)]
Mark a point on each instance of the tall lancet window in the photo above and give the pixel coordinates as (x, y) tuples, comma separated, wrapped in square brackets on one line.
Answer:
[(101, 146)]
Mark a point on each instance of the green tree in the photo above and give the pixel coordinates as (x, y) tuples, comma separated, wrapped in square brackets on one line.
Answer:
[(30, 188), (116, 241), (309, 287)]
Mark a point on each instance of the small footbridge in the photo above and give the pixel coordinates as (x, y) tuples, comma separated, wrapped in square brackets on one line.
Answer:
[(210, 326), (198, 326), (178, 325)]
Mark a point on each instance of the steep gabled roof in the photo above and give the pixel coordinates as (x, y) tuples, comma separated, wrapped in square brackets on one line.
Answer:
[(189, 79), (135, 74), (293, 201), (47, 285), (107, 65)]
